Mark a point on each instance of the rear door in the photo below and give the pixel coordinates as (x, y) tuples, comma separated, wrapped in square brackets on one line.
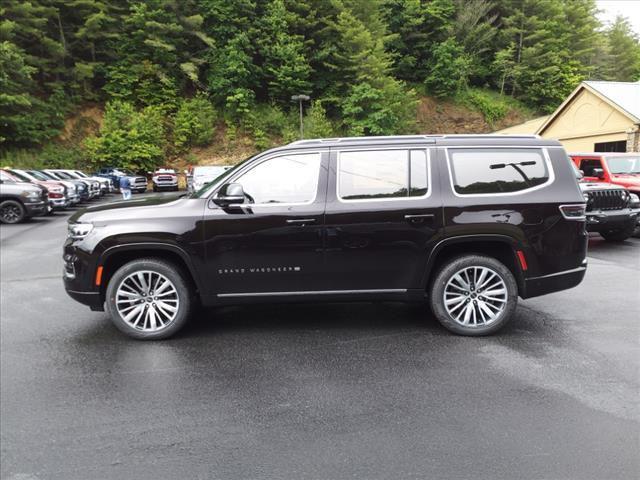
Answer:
[(383, 213)]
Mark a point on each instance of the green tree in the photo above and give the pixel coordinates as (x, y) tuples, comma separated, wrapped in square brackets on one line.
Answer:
[(450, 69), (194, 122), (285, 69), (417, 27), (316, 123), (624, 51), (129, 138)]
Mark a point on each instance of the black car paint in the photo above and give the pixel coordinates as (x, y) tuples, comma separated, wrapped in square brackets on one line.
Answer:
[(330, 249)]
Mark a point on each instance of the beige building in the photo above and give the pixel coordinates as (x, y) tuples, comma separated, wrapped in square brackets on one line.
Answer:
[(595, 117)]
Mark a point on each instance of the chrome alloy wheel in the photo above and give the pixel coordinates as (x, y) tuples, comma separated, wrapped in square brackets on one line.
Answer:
[(147, 301), (475, 296)]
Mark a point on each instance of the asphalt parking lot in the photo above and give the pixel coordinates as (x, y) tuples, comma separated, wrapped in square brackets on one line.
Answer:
[(318, 391)]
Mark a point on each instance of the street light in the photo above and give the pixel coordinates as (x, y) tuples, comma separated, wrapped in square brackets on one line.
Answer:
[(300, 99)]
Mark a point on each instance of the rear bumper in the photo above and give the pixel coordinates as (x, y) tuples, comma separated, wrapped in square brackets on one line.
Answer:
[(554, 282)]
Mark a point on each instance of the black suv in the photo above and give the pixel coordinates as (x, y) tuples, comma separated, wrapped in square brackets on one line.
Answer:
[(467, 222)]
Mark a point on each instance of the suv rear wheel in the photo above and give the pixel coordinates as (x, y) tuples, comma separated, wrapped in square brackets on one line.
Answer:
[(11, 211), (149, 299), (473, 295)]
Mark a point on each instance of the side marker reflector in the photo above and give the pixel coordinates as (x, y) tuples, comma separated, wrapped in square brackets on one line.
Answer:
[(523, 260), (98, 276)]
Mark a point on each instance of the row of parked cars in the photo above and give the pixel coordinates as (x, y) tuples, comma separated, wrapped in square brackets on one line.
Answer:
[(29, 193), (26, 193)]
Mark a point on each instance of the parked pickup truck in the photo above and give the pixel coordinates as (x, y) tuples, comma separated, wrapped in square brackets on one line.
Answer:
[(138, 182), (20, 200)]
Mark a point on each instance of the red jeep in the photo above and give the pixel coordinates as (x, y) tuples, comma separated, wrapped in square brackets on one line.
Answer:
[(618, 168)]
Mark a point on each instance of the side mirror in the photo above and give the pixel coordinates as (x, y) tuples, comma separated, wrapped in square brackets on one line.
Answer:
[(230, 194), (598, 173)]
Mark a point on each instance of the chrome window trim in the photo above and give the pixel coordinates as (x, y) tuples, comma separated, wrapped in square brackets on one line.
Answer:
[(545, 155), (408, 149), (266, 158)]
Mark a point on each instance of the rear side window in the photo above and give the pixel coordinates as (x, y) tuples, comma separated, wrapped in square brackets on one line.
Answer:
[(377, 174), (497, 170)]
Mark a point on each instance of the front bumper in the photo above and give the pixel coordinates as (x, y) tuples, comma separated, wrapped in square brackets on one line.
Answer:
[(59, 202), (611, 219), (35, 209), (161, 185), (78, 275)]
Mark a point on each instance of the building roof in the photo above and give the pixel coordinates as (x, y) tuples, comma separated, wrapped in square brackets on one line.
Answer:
[(626, 95), (530, 126)]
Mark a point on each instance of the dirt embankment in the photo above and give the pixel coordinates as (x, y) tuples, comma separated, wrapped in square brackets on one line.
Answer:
[(443, 116)]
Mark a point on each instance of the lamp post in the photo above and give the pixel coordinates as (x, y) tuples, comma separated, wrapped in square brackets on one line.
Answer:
[(300, 99)]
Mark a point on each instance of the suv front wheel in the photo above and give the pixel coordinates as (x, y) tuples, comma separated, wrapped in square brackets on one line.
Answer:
[(149, 299), (473, 295)]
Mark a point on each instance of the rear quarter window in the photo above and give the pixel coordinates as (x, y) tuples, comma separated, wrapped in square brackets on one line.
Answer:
[(478, 171)]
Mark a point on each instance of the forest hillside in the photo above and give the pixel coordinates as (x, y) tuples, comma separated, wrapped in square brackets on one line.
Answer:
[(145, 83)]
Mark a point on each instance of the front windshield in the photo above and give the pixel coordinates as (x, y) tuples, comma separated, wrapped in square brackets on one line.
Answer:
[(623, 164), (21, 176), (202, 190), (38, 175), (48, 176), (120, 172), (80, 174)]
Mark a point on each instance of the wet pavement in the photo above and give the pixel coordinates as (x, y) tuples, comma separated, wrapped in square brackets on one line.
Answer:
[(318, 391)]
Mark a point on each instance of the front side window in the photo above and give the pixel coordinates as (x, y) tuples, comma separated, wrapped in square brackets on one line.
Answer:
[(374, 174), (496, 170), (284, 179)]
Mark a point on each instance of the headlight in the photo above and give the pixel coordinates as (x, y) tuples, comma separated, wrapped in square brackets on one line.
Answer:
[(31, 194), (586, 197), (79, 230), (634, 200)]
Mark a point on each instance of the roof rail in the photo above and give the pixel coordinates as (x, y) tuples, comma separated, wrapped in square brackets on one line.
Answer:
[(315, 141)]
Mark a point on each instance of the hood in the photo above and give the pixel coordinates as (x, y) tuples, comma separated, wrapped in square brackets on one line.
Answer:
[(631, 181), (146, 207), (27, 186), (597, 186)]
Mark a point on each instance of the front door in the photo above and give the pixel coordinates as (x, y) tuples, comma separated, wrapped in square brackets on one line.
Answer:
[(383, 212), (273, 242)]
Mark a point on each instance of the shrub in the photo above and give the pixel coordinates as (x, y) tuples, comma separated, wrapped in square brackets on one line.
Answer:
[(385, 110), (492, 107), (194, 122), (129, 138), (316, 123), (450, 69)]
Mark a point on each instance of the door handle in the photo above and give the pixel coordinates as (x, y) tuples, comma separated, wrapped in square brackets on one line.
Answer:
[(301, 221), (419, 218)]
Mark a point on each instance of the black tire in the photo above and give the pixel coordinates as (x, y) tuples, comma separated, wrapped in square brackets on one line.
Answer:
[(174, 275), (620, 234), (448, 271), (12, 211)]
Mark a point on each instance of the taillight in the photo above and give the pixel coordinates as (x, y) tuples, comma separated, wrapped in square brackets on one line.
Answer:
[(574, 212)]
